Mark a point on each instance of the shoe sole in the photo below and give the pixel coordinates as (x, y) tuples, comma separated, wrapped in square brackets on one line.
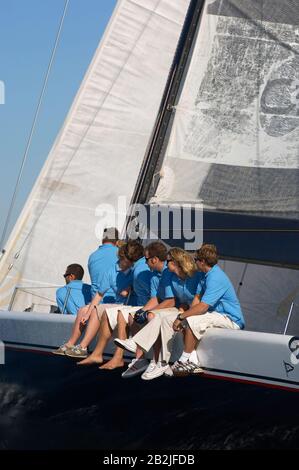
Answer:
[(181, 373), (185, 373), (137, 372), (76, 356), (152, 377), (120, 345), (199, 372)]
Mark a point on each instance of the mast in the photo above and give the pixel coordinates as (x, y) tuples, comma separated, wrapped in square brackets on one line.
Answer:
[(154, 157)]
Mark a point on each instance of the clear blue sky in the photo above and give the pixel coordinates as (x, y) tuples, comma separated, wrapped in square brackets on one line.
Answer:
[(27, 33)]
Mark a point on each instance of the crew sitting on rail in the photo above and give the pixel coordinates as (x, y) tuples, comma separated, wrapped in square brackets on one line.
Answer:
[(75, 294)]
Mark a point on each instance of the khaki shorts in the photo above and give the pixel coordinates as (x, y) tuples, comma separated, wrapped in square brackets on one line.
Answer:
[(112, 313)]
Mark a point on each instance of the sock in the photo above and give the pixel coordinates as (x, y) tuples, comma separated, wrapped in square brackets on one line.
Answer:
[(184, 357), (193, 357)]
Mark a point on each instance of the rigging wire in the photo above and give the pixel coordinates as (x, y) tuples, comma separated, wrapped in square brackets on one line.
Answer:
[(99, 104), (36, 115)]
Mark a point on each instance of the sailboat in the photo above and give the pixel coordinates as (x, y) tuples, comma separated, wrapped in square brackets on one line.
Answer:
[(185, 104)]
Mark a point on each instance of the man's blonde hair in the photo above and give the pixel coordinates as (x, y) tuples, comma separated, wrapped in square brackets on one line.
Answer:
[(184, 261)]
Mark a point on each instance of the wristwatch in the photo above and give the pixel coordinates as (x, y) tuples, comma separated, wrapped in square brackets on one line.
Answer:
[(179, 317)]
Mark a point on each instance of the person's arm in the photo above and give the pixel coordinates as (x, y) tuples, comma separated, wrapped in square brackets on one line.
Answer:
[(103, 285), (195, 300), (166, 303), (199, 309), (169, 301), (153, 304), (213, 292), (95, 301)]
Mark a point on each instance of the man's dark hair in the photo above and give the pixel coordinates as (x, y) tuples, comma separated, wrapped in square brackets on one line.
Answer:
[(133, 250), (76, 270), (157, 249), (110, 234)]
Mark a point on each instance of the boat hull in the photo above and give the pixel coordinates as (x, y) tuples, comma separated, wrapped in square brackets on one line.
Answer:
[(48, 402)]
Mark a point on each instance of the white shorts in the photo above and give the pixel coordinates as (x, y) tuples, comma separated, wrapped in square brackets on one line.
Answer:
[(200, 323), (112, 313), (102, 307)]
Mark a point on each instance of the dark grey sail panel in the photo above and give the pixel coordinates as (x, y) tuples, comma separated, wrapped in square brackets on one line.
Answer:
[(267, 192), (275, 11)]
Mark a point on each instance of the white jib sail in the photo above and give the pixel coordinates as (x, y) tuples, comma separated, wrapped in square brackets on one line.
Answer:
[(97, 155)]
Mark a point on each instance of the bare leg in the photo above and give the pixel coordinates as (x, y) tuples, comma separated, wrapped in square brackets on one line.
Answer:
[(78, 327), (117, 359), (105, 333), (92, 329), (190, 341)]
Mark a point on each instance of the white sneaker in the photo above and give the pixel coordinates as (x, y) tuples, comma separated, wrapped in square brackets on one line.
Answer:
[(154, 370), (168, 372), (128, 344), (135, 367)]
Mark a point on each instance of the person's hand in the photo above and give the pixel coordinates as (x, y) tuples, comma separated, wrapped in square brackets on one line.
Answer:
[(84, 319), (183, 308), (177, 325), (124, 293), (140, 316)]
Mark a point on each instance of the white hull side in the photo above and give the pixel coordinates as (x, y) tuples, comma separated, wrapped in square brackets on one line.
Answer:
[(261, 358)]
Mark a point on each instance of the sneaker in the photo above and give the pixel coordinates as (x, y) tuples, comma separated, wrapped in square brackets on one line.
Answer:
[(136, 367), (61, 350), (77, 351), (128, 344), (168, 372), (154, 370), (181, 369)]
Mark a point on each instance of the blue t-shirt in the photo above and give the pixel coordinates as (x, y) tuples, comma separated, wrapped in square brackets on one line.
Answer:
[(219, 293), (112, 283), (161, 284), (99, 262), (79, 295), (141, 283), (185, 289)]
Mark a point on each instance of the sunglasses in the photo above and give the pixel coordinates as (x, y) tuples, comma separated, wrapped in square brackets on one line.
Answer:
[(196, 258), (169, 260), (66, 275), (146, 259)]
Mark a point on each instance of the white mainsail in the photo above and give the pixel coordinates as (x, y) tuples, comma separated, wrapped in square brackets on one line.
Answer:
[(98, 153), (234, 140)]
